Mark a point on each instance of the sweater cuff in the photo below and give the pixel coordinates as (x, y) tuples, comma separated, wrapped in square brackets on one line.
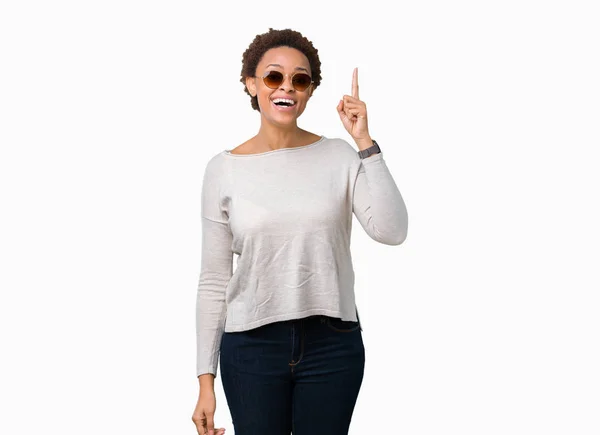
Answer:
[(373, 158)]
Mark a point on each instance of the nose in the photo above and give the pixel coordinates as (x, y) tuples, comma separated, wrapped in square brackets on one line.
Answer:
[(286, 84)]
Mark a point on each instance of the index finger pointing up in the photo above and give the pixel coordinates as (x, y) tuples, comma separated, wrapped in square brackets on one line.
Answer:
[(355, 83)]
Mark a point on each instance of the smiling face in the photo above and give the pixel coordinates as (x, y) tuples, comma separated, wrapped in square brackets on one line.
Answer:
[(288, 61)]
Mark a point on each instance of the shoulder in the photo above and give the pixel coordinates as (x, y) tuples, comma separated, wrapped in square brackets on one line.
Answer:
[(244, 148), (342, 148), (216, 167), (343, 144)]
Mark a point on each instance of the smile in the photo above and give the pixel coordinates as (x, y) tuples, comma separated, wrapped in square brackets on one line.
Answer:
[(284, 108)]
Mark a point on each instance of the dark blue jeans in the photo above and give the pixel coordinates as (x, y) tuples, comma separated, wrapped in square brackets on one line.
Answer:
[(298, 376)]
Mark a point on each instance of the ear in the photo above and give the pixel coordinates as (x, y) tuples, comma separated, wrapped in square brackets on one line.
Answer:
[(251, 85)]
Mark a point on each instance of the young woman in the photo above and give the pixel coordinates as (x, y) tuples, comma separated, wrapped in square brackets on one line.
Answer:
[(285, 324)]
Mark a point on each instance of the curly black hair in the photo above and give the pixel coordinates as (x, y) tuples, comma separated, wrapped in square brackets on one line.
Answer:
[(278, 38)]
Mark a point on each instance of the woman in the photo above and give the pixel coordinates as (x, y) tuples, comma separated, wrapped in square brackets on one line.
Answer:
[(285, 324)]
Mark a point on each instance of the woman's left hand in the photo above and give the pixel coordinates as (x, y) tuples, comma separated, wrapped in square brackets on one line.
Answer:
[(353, 113)]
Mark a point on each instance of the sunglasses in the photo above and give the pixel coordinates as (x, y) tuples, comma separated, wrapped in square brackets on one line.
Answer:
[(274, 79)]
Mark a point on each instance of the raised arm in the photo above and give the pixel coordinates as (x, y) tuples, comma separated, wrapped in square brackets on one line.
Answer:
[(377, 202)]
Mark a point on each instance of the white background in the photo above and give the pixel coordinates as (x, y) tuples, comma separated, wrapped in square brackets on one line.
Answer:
[(484, 321)]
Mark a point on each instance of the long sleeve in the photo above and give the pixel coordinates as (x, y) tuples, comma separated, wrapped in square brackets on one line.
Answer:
[(377, 202), (215, 272)]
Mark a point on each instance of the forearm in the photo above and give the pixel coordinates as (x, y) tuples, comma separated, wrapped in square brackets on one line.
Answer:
[(377, 201)]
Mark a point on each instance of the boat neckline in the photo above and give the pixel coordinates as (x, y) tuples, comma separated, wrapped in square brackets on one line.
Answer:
[(280, 150)]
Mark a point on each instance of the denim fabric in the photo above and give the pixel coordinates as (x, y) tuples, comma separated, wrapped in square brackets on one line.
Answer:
[(298, 376)]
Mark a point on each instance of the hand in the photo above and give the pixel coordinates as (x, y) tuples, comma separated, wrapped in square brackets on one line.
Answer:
[(204, 414), (353, 113)]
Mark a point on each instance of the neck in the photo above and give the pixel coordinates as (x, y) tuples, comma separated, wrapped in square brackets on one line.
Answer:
[(275, 137)]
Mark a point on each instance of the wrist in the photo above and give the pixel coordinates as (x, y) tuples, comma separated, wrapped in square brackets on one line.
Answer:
[(207, 380), (364, 143), (369, 150)]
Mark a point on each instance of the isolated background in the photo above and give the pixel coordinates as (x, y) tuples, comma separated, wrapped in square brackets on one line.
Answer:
[(484, 321)]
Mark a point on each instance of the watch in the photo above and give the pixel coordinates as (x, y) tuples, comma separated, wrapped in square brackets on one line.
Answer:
[(370, 151)]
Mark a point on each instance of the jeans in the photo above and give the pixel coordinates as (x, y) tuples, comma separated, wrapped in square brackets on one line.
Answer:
[(299, 376)]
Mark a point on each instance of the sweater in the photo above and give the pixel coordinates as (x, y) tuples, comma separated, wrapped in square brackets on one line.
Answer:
[(287, 216)]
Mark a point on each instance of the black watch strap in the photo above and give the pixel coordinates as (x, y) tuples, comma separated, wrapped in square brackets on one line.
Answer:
[(374, 149)]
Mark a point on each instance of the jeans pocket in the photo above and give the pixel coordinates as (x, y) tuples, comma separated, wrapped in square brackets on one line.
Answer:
[(338, 325)]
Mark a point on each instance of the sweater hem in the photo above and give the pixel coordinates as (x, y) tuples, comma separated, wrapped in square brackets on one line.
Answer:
[(288, 316)]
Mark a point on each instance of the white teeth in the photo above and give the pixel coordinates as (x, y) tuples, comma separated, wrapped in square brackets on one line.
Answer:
[(285, 100)]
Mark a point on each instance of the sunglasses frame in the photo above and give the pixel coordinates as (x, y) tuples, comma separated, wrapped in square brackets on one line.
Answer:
[(284, 76)]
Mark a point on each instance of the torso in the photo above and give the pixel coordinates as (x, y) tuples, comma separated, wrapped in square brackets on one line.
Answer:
[(252, 147)]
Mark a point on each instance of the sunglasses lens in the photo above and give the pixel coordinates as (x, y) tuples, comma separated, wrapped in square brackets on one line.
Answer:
[(301, 81), (273, 79)]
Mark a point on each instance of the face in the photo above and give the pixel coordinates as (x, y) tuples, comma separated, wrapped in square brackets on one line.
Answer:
[(290, 60)]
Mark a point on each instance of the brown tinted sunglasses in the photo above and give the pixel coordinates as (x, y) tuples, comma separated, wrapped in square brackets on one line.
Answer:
[(274, 79)]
